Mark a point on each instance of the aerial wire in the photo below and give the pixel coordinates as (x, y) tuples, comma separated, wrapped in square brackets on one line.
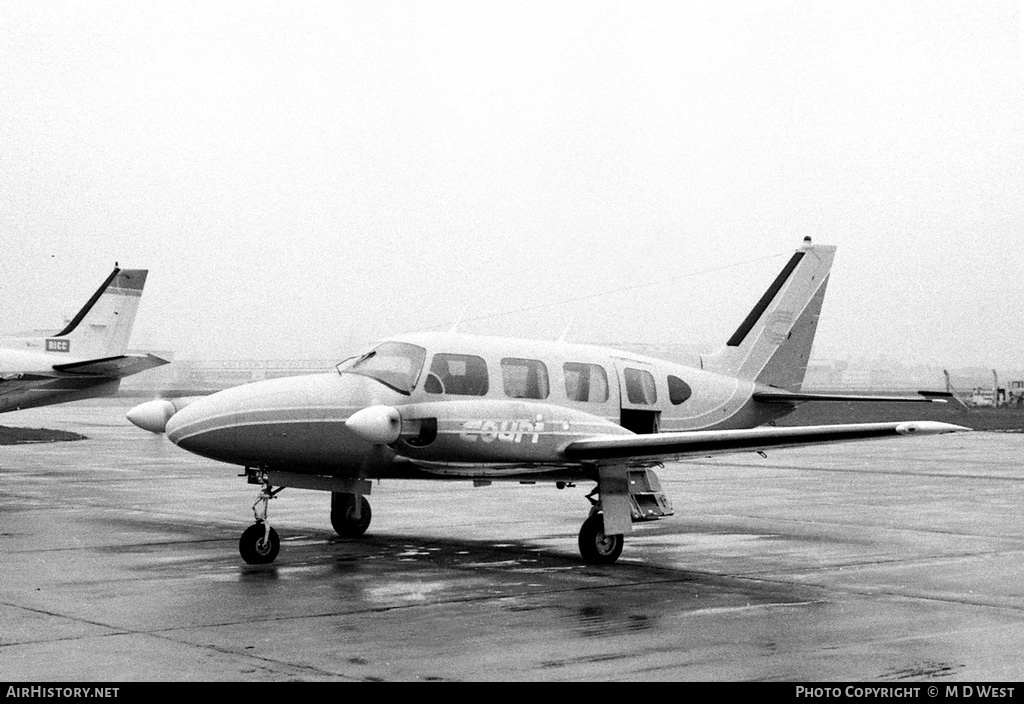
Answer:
[(577, 299)]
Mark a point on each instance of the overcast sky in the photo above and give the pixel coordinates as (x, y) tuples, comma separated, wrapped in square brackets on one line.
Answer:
[(303, 178)]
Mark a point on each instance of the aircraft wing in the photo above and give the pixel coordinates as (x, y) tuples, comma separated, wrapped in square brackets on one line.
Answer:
[(701, 443), (115, 367), (780, 396)]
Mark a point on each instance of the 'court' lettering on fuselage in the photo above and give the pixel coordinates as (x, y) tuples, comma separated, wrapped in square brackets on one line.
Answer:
[(502, 431)]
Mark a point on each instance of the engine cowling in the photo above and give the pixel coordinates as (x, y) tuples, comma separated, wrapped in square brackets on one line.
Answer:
[(153, 415), (493, 432), (379, 425)]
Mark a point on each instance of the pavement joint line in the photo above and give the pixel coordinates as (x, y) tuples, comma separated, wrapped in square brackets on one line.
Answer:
[(843, 524), (252, 656), (875, 592), (165, 635), (417, 605), (834, 568), (120, 546), (119, 631), (841, 470), (398, 607)]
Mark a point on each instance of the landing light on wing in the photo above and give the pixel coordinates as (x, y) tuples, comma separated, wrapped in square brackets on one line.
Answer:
[(928, 427)]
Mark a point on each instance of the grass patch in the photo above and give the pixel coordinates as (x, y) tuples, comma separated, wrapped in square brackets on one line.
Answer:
[(23, 436)]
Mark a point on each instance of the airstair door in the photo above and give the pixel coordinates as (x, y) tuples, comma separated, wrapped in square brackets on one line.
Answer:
[(638, 398)]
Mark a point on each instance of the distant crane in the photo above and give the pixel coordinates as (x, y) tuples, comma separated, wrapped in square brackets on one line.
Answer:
[(1015, 394), (950, 389), (1011, 395)]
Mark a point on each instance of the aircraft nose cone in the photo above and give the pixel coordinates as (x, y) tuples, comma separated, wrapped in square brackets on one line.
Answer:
[(205, 426), (230, 425), (289, 421)]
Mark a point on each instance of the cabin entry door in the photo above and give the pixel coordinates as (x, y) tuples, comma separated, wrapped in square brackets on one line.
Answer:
[(638, 397)]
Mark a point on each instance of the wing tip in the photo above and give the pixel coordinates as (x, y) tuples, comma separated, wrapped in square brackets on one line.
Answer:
[(929, 427)]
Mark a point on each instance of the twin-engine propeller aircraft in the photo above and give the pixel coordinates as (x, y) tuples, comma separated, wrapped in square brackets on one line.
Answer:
[(465, 407), (85, 359)]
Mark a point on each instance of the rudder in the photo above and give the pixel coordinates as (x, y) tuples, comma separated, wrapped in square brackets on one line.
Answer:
[(102, 327), (773, 343)]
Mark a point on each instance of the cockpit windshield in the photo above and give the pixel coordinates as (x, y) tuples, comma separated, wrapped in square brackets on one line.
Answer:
[(395, 364)]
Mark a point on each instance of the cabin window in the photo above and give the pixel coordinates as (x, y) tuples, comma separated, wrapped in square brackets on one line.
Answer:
[(395, 364), (524, 378), (587, 383), (678, 390), (640, 386), (458, 374)]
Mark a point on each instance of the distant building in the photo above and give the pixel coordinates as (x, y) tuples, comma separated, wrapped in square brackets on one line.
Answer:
[(202, 376), (876, 374)]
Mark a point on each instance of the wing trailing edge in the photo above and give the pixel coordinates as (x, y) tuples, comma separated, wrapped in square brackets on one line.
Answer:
[(782, 396), (701, 443)]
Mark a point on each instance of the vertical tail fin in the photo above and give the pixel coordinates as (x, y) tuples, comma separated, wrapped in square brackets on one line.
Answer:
[(101, 328), (773, 343)]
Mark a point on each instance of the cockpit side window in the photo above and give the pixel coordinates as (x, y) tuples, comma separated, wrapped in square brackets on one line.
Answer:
[(640, 387), (395, 364), (587, 383), (458, 374), (524, 378)]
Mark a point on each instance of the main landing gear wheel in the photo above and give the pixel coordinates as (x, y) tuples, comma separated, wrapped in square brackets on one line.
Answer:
[(343, 514), (259, 544), (596, 547)]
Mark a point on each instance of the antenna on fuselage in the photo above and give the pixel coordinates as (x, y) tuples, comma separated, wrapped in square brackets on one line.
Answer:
[(458, 321), (561, 338)]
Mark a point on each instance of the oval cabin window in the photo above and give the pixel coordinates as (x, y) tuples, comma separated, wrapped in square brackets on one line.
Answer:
[(678, 390)]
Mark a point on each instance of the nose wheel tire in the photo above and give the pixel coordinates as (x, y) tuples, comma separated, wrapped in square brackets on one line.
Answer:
[(343, 514), (258, 545), (596, 547)]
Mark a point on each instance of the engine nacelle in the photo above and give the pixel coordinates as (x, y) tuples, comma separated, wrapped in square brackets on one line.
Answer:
[(377, 424), (153, 415), (493, 432)]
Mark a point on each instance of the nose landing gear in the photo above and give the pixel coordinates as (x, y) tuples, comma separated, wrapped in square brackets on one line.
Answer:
[(259, 543), (350, 511)]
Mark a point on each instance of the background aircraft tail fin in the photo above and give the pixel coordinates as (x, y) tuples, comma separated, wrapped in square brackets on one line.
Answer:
[(773, 343), (102, 327)]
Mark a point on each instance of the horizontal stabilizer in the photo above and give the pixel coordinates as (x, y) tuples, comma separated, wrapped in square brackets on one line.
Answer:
[(115, 367), (25, 378), (11, 384), (944, 397), (701, 443), (780, 396)]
